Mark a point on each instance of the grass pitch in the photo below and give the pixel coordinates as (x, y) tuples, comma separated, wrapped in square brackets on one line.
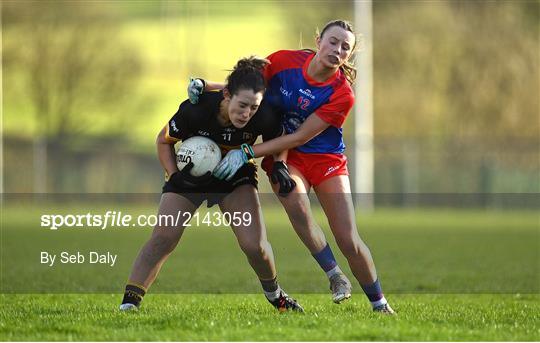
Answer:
[(237, 317), (450, 275)]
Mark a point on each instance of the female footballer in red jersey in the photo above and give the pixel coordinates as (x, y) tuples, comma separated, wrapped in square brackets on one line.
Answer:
[(230, 117), (312, 90)]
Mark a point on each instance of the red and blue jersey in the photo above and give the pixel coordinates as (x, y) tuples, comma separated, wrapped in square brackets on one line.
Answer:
[(297, 96)]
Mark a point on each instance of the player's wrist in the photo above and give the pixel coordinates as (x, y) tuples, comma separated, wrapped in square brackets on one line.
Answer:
[(248, 151), (172, 177), (203, 84), (280, 164), (169, 174)]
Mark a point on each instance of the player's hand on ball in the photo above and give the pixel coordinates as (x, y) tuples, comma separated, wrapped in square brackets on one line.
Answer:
[(233, 161), (195, 89), (280, 174), (230, 164), (184, 178)]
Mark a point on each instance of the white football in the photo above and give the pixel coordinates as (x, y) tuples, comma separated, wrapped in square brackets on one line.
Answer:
[(203, 152)]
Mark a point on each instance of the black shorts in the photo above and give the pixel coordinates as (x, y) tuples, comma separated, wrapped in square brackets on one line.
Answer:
[(217, 189)]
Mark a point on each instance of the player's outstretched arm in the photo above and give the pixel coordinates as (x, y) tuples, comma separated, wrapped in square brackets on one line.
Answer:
[(309, 129), (235, 159), (214, 86), (197, 86)]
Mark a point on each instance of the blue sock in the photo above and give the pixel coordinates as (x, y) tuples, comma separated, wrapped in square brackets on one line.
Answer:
[(326, 258), (373, 291)]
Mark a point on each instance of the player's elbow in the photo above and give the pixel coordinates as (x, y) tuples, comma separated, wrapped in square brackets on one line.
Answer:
[(161, 137)]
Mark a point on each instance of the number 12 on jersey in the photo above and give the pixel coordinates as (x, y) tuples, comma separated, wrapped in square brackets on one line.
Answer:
[(303, 103)]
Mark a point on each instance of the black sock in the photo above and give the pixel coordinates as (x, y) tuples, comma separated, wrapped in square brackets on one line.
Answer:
[(269, 285), (133, 294)]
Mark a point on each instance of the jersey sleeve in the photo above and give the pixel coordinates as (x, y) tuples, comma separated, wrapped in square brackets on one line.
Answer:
[(268, 69), (177, 128), (278, 61), (337, 108)]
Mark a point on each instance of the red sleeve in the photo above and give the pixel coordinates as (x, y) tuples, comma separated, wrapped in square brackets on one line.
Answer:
[(284, 59), (269, 70), (338, 107)]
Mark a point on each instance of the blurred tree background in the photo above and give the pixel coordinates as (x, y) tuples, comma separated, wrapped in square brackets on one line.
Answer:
[(87, 85), (456, 89)]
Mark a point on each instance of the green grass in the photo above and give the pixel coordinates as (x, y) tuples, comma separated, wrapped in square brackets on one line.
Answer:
[(250, 318), (451, 275), (428, 251)]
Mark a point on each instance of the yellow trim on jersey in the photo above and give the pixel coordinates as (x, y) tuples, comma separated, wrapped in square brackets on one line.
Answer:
[(168, 138), (227, 148)]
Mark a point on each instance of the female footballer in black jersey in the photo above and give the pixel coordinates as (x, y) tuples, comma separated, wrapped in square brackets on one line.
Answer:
[(230, 117)]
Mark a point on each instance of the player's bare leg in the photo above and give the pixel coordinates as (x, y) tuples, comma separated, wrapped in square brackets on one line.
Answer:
[(335, 197), (298, 208), (156, 250), (252, 239), (251, 236)]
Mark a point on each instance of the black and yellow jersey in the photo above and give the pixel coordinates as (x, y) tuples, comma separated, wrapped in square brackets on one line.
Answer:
[(201, 120)]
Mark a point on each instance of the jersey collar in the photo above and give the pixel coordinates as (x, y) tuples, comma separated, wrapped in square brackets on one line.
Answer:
[(313, 82)]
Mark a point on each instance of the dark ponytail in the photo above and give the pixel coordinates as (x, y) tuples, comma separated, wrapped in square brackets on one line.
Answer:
[(247, 74)]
